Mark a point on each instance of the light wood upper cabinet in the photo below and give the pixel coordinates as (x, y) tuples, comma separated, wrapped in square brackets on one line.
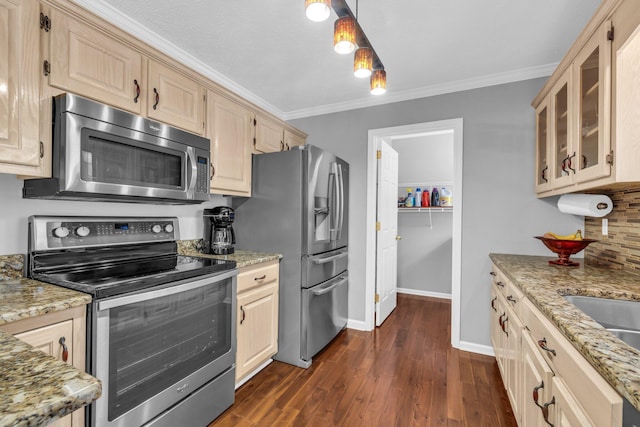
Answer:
[(88, 62), (292, 139), (174, 98), (599, 77), (543, 147), (51, 333), (257, 322), (20, 151), (269, 135), (229, 126)]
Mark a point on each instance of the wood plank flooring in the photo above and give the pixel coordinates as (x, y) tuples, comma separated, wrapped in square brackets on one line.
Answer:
[(404, 373)]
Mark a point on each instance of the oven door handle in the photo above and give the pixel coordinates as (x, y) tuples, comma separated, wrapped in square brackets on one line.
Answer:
[(330, 288), (186, 285)]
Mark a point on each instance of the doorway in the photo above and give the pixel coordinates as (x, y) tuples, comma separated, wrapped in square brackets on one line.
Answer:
[(404, 132)]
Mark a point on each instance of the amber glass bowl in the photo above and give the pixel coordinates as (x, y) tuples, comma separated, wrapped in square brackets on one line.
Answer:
[(564, 249)]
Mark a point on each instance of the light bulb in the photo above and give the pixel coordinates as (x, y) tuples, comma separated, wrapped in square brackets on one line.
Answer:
[(317, 10)]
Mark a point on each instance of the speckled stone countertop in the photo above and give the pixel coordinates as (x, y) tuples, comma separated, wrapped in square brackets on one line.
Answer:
[(241, 257), (545, 286), (34, 387)]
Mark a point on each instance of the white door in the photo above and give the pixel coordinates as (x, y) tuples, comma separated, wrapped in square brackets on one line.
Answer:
[(387, 235)]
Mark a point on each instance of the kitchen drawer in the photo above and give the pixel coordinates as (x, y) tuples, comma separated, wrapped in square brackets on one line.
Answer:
[(600, 401), (514, 298), (499, 281), (258, 275)]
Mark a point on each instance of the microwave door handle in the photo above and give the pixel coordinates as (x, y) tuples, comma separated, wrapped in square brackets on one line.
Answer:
[(192, 170)]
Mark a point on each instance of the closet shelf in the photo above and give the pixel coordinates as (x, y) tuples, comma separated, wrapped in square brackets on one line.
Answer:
[(428, 209)]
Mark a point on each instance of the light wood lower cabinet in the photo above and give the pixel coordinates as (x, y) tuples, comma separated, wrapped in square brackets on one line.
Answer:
[(51, 333), (547, 380), (257, 319)]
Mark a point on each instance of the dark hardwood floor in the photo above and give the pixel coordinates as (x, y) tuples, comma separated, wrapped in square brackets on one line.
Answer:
[(404, 373)]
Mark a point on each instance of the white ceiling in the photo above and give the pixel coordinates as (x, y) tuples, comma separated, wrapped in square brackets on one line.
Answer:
[(270, 53)]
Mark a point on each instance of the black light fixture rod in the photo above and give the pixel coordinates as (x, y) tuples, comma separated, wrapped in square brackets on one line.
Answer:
[(341, 8)]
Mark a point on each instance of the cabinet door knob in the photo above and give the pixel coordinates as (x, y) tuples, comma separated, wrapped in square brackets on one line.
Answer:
[(65, 350), (545, 406)]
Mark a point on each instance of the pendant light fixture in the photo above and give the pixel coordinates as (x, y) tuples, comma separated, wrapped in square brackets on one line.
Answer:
[(378, 82), (363, 62), (344, 35), (317, 10)]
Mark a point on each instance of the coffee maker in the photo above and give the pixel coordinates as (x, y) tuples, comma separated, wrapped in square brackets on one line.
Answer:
[(219, 237)]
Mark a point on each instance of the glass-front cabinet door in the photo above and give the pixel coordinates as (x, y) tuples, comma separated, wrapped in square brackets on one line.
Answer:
[(592, 81), (542, 147), (562, 136)]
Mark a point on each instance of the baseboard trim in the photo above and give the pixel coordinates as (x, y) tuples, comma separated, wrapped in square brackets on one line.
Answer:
[(358, 325), (252, 374), (424, 293), (487, 350)]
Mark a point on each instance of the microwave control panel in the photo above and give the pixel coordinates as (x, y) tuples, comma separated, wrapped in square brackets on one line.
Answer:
[(202, 184)]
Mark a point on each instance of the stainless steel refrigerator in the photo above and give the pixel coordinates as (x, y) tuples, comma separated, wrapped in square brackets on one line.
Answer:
[(299, 208)]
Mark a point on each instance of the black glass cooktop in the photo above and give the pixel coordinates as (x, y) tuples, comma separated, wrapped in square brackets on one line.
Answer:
[(131, 276)]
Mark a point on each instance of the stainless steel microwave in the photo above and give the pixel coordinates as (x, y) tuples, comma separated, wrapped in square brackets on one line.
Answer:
[(105, 154)]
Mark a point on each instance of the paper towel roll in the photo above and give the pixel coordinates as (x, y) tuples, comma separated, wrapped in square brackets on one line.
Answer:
[(597, 205)]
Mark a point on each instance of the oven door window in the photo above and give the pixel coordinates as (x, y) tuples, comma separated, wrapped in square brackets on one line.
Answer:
[(112, 159), (155, 343)]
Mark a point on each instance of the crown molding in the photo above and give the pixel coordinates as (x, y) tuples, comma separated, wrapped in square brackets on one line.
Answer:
[(427, 91), (125, 23)]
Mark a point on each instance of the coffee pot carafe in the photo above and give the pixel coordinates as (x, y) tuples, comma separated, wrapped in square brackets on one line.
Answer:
[(219, 236)]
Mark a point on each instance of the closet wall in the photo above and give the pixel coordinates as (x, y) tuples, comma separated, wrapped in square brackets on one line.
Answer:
[(424, 253)]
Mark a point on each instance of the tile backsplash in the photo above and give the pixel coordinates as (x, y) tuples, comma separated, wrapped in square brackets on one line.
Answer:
[(621, 248)]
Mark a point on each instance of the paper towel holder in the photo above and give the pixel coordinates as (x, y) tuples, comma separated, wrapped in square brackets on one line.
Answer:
[(593, 205)]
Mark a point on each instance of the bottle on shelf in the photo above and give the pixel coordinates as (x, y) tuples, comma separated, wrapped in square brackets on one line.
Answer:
[(446, 197), (408, 203), (426, 201), (418, 198), (435, 197)]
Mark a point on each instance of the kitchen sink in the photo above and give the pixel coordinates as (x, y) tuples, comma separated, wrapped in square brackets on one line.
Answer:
[(621, 318)]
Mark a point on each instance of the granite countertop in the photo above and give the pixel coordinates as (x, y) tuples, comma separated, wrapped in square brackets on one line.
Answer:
[(241, 257), (35, 387), (545, 285)]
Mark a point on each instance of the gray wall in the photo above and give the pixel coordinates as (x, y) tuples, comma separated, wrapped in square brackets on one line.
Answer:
[(15, 212), (501, 212)]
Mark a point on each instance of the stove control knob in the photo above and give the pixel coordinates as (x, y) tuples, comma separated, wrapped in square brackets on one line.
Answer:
[(83, 231), (168, 228), (61, 232), (156, 228)]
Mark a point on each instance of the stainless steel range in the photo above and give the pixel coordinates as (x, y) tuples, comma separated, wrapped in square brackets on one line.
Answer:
[(160, 329)]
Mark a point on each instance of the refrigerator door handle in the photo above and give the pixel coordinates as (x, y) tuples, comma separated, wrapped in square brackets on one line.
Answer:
[(330, 288), (334, 200), (329, 258), (341, 199)]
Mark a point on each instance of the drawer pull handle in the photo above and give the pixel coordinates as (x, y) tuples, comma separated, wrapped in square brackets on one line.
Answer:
[(500, 284), (155, 105), (504, 324), (264, 276), (500, 319), (543, 345), (493, 273), (544, 407), (493, 304), (510, 298), (244, 314), (65, 350)]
